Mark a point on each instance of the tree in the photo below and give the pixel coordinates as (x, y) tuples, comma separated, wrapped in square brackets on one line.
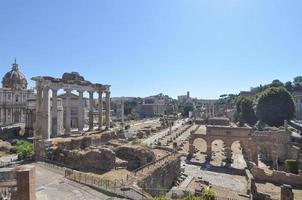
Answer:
[(275, 105), (276, 83), (187, 109), (288, 85), (244, 111), (297, 83)]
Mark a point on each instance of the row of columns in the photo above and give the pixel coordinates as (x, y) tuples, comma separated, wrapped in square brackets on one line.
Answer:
[(44, 113)]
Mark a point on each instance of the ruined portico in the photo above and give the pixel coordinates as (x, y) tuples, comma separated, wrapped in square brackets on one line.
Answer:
[(227, 134), (274, 143), (69, 82)]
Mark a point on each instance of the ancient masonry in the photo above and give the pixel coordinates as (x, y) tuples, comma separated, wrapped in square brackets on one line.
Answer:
[(68, 82)]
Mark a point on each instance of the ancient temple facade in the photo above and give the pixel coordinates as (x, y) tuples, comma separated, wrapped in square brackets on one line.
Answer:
[(47, 88), (13, 97)]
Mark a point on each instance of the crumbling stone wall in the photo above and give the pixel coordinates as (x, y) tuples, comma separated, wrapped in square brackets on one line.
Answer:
[(277, 177), (252, 188), (162, 179), (101, 158), (83, 142), (136, 155)]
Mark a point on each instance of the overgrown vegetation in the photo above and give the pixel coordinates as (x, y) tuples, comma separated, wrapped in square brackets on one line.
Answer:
[(127, 126), (23, 149), (293, 166)]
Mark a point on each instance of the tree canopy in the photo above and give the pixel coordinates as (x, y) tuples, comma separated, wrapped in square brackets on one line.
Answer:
[(244, 111), (275, 105)]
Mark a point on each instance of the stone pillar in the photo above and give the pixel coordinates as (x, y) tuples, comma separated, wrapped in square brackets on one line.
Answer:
[(68, 114), (26, 183), (228, 154), (54, 112), (81, 112), (90, 110), (287, 192), (209, 152), (191, 147), (100, 108), (46, 114), (123, 113), (107, 110), (38, 124)]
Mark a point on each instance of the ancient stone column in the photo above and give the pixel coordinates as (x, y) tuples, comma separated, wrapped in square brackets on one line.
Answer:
[(38, 125), (46, 114), (228, 154), (123, 113), (100, 108), (209, 152), (90, 110), (81, 112), (54, 112), (68, 114), (191, 147), (107, 110)]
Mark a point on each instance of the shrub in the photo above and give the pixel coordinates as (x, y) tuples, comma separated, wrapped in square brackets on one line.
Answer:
[(127, 126), (23, 149), (293, 166), (208, 195)]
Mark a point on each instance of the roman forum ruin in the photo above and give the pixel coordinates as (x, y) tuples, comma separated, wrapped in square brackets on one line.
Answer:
[(47, 120)]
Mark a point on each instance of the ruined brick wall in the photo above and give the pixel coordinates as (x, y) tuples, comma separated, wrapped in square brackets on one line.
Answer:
[(23, 178), (162, 179), (252, 188), (277, 177)]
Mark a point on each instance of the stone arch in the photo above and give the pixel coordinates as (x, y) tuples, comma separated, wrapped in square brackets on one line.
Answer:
[(238, 154), (198, 141), (218, 148)]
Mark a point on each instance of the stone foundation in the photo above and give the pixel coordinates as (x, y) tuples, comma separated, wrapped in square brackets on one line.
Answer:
[(136, 156), (162, 179)]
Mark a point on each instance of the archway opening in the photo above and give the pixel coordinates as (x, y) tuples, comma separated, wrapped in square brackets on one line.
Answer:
[(264, 158), (200, 150), (237, 155), (218, 153)]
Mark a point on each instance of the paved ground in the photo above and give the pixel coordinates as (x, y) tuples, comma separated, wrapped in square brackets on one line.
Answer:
[(51, 185), (229, 181)]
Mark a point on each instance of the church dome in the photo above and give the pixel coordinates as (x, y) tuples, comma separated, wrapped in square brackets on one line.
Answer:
[(14, 79)]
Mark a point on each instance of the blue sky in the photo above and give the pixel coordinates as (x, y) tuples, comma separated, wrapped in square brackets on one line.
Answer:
[(144, 47)]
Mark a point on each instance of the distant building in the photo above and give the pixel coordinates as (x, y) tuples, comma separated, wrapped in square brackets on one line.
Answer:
[(31, 117), (74, 109), (184, 99), (13, 97), (156, 105), (298, 103)]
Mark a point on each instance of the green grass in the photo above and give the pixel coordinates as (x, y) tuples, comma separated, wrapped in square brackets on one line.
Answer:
[(23, 149)]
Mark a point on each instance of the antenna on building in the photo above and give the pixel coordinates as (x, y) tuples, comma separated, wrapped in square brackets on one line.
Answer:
[(15, 61)]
